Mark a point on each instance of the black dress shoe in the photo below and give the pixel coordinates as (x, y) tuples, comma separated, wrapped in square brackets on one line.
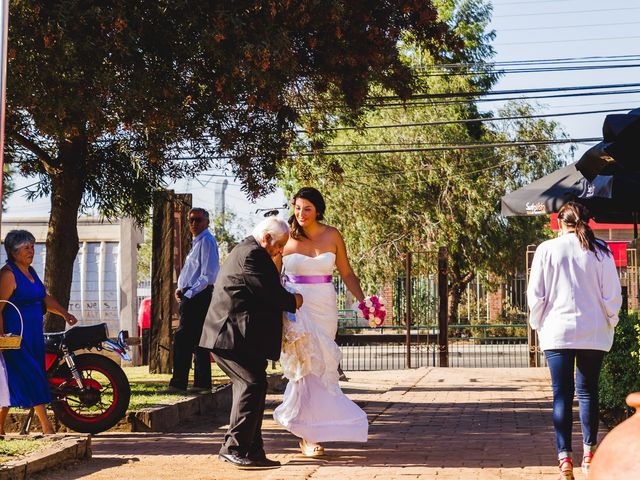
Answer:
[(171, 389), (199, 390), (240, 462), (265, 462)]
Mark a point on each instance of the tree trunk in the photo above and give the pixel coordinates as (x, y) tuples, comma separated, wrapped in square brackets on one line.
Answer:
[(457, 286), (455, 295), (67, 188)]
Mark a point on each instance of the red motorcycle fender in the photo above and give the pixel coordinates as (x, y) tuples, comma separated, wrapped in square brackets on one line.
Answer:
[(88, 383)]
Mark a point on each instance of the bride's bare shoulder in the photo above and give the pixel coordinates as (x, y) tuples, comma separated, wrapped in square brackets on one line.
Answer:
[(332, 232)]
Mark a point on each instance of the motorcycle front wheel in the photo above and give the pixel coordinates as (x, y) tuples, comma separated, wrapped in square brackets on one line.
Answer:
[(102, 403)]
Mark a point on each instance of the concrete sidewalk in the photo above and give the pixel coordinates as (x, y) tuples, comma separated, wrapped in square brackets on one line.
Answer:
[(424, 424)]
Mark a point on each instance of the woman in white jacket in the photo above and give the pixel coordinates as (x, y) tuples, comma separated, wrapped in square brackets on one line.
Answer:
[(574, 296)]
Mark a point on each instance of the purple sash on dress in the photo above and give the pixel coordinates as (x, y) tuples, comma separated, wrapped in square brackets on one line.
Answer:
[(309, 278)]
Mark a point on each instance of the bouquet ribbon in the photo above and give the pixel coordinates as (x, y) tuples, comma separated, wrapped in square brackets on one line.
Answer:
[(309, 278)]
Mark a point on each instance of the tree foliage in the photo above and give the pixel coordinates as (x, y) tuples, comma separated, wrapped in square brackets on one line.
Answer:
[(388, 204), (8, 184), (128, 86), (107, 99)]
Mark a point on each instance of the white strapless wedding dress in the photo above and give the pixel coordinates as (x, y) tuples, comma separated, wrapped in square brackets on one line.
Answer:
[(314, 407)]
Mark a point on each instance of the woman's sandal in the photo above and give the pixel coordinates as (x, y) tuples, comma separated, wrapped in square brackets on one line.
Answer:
[(313, 450), (566, 469), (586, 462)]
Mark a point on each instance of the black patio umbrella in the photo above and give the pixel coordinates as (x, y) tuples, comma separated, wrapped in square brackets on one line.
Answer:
[(610, 199), (619, 150)]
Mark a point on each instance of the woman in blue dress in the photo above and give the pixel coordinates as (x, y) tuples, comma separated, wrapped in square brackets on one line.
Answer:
[(25, 367)]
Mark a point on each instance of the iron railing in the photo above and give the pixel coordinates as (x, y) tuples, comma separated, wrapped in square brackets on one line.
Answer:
[(475, 346)]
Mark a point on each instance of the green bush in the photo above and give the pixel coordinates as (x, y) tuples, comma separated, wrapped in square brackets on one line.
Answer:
[(621, 369)]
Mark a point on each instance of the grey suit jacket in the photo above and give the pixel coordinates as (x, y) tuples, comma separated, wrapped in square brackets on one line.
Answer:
[(245, 312)]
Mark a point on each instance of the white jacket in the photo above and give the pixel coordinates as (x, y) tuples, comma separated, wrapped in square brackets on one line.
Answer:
[(574, 296)]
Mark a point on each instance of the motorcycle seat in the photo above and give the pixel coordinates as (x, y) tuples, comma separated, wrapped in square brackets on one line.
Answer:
[(78, 337), (53, 340), (85, 336)]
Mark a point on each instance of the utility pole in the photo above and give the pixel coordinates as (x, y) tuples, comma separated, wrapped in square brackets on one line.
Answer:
[(219, 207)]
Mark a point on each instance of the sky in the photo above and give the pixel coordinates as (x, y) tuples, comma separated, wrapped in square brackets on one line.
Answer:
[(525, 30), (553, 29)]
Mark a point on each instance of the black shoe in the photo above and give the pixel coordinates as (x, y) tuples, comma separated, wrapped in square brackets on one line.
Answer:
[(240, 462), (173, 389), (199, 390), (265, 462)]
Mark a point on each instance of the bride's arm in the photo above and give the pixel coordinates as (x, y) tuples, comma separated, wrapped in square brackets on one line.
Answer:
[(344, 268)]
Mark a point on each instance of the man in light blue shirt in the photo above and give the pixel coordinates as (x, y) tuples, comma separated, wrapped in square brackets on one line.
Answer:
[(195, 287)]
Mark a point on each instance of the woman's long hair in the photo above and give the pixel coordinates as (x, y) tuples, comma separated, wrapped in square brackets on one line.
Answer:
[(314, 196), (575, 215)]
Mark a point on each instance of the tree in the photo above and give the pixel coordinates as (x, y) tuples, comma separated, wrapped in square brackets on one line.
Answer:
[(399, 202), (107, 99), (8, 185)]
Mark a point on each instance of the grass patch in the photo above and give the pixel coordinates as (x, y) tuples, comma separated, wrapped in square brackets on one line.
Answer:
[(149, 389), (13, 449)]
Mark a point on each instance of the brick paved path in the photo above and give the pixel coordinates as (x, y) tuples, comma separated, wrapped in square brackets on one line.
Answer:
[(424, 424)]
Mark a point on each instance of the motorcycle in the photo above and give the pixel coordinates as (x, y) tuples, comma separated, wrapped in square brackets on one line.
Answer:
[(90, 391)]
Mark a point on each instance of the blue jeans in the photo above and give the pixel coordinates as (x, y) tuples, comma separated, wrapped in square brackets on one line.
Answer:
[(561, 365)]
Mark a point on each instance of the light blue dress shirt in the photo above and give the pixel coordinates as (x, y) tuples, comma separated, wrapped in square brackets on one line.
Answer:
[(201, 266)]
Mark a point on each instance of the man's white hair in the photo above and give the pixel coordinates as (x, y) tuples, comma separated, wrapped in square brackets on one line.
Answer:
[(273, 226)]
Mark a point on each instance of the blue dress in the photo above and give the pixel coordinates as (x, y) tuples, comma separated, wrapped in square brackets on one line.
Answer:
[(25, 367)]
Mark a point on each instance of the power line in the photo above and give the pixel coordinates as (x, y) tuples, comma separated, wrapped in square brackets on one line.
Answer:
[(26, 186), (592, 39), (506, 92), (405, 105), (470, 120), (543, 61), (472, 146), (529, 64), (573, 105), (564, 27), (537, 14), (490, 70)]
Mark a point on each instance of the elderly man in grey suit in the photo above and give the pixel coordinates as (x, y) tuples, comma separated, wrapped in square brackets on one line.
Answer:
[(243, 327)]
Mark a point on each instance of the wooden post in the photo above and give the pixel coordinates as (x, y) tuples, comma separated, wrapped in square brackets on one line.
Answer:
[(443, 306), (408, 314), (170, 242), (161, 283)]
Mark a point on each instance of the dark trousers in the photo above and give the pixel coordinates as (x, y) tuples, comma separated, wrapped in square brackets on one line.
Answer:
[(561, 365), (248, 374), (186, 340)]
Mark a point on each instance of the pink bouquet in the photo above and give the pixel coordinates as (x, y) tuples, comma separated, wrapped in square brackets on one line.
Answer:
[(373, 310)]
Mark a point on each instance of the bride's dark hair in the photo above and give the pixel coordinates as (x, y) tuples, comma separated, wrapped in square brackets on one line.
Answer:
[(314, 196)]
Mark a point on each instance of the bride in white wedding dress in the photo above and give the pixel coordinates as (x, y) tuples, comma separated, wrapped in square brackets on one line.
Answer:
[(314, 407)]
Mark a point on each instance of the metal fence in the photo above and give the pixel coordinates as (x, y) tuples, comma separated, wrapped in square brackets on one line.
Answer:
[(488, 345), (477, 346), (480, 338), (384, 348)]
